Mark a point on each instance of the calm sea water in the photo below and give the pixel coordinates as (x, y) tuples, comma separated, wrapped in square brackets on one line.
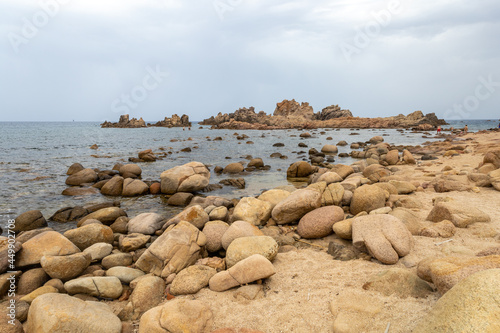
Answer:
[(35, 156)]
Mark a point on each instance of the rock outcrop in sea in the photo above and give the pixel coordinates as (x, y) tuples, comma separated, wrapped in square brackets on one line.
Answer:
[(291, 114), (126, 122)]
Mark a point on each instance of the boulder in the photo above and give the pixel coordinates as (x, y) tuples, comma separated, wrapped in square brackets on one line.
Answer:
[(253, 268), (98, 251), (38, 292), (329, 149), (343, 229), (44, 244), (367, 198), (82, 177), (132, 242), (195, 215), (57, 313), (177, 248), (190, 177), (473, 305), (130, 171), (97, 286), (274, 196), (178, 315), (148, 293), (392, 157), (444, 229), (375, 172), (191, 280), (408, 157), (113, 187), (145, 223), (399, 282), (329, 177), (74, 168), (461, 216), (296, 205), (319, 222), (333, 195), (299, 169), (383, 236), (244, 247), (29, 220), (448, 185), (218, 214), (65, 267), (403, 187), (233, 168), (117, 259), (125, 274), (30, 280), (90, 234), (239, 229), (106, 215), (376, 139), (252, 210), (342, 170), (214, 230), (493, 157), (494, 177), (448, 271), (134, 187), (412, 222), (256, 163), (180, 199)]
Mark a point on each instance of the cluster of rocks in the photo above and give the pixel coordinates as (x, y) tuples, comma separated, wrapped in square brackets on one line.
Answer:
[(291, 114), (376, 151), (126, 122)]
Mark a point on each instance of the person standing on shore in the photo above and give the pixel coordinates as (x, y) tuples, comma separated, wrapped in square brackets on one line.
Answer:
[(466, 129), (439, 129)]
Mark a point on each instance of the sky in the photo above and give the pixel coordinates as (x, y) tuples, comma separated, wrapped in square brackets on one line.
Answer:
[(93, 60)]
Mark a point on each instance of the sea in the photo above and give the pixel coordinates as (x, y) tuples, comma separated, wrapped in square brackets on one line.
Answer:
[(34, 158)]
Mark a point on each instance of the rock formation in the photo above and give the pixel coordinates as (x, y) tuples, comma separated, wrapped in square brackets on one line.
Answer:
[(291, 114), (124, 122)]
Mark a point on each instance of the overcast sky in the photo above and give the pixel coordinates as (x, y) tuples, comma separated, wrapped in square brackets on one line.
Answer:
[(92, 60)]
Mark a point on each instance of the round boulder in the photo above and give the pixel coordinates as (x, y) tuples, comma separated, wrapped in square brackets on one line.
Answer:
[(319, 222)]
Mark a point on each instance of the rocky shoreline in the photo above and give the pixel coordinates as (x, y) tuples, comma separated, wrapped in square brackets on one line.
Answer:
[(291, 114), (406, 236), (126, 122)]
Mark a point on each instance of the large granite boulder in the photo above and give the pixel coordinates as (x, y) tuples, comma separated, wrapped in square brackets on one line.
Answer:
[(29, 220), (82, 177), (97, 286), (195, 215), (190, 177), (65, 267), (239, 229), (448, 271), (106, 215), (383, 236), (367, 198), (473, 305), (177, 315), (460, 215), (146, 223), (44, 244), (191, 279), (298, 204), (177, 248), (90, 234), (253, 268), (252, 210), (319, 222), (299, 169), (148, 293), (59, 313), (245, 247)]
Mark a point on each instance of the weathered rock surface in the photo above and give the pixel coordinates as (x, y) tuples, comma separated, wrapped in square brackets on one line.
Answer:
[(245, 247), (44, 244), (190, 177), (191, 279), (248, 270), (106, 215), (239, 229), (296, 205), (383, 236), (65, 267), (367, 198), (90, 234), (98, 286), (458, 214), (145, 223), (178, 315), (252, 210), (318, 223), (214, 230), (29, 220), (473, 305), (177, 248), (53, 313)]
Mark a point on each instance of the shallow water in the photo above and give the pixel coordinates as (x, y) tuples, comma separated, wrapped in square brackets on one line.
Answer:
[(34, 158)]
